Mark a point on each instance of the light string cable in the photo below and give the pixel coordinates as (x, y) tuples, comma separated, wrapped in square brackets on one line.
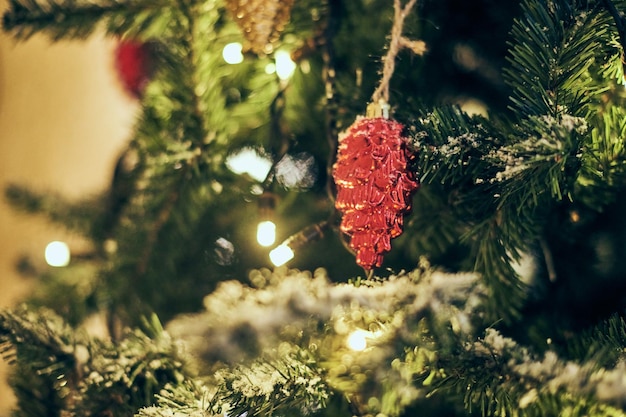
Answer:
[(303, 237), (279, 145)]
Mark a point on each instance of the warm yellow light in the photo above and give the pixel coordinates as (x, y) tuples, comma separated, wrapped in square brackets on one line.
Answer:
[(57, 254), (249, 161), (232, 53), (270, 68), (357, 340), (281, 255), (266, 233), (285, 67)]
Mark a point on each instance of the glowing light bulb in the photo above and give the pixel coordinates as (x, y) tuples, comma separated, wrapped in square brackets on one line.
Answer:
[(232, 53), (270, 68), (281, 255), (357, 340), (285, 67), (266, 233), (249, 161), (57, 254)]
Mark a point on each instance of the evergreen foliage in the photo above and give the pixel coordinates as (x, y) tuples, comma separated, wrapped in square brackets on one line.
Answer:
[(452, 324), (62, 371)]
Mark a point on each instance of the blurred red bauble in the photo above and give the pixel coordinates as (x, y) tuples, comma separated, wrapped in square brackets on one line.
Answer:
[(374, 186), (134, 65)]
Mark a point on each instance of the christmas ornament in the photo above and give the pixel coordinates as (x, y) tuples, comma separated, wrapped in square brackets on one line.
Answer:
[(374, 186), (134, 65), (261, 21)]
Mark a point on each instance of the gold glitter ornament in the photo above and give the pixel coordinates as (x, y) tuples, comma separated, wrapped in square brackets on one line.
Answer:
[(261, 21)]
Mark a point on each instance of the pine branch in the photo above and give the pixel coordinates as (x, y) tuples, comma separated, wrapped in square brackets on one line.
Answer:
[(120, 378), (288, 384), (189, 398), (93, 217), (75, 216), (459, 151), (603, 343), (620, 22), (500, 377), (44, 352), (179, 138), (495, 256), (506, 176), (81, 375), (434, 228), (66, 19), (502, 181), (37, 335), (72, 292), (603, 170), (405, 317), (451, 145), (552, 50)]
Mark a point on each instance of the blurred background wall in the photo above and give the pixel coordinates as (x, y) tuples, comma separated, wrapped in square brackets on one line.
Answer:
[(63, 120)]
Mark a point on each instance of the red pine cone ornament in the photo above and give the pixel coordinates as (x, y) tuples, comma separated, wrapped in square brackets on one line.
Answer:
[(374, 187)]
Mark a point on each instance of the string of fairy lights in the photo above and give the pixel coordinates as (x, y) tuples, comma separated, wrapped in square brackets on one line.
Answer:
[(248, 161), (258, 166)]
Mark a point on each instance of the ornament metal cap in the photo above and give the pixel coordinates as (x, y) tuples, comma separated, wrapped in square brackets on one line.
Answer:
[(379, 109)]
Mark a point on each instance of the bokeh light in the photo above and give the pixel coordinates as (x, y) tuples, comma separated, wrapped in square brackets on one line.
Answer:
[(232, 53), (57, 254), (281, 255), (266, 233), (249, 161)]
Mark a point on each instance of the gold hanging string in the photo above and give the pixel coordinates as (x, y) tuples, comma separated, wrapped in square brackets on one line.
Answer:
[(397, 42)]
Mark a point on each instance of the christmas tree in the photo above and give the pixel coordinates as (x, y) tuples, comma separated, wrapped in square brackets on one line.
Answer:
[(445, 178)]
